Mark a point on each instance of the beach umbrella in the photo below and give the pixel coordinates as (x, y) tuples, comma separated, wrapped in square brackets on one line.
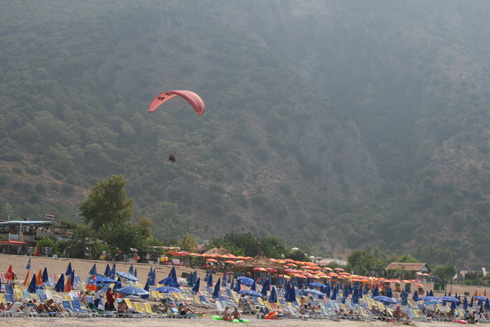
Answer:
[(69, 270), (355, 296), (128, 276), (216, 289), (107, 272), (404, 297), (273, 296), (60, 284), (246, 281), (132, 290), (480, 298), (251, 293), (265, 288), (68, 285), (334, 294), (312, 291), (254, 287), (384, 299), (316, 284), (25, 280), (415, 296), (28, 264), (223, 282), (168, 289), (146, 288), (195, 288), (45, 275), (210, 280), (431, 293), (389, 292), (93, 270), (238, 285), (104, 280), (487, 305), (326, 290), (359, 293), (135, 272), (471, 303), (32, 286), (465, 303), (72, 277), (232, 286), (39, 278), (189, 279), (376, 291), (292, 294), (113, 271), (131, 270), (449, 299)]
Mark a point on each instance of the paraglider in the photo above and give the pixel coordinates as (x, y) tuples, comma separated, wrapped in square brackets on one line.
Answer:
[(192, 98)]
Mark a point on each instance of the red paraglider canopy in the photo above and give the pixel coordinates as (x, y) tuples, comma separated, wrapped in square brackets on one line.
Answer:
[(194, 100)]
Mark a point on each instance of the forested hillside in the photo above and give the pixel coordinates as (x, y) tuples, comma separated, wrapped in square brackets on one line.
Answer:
[(331, 125)]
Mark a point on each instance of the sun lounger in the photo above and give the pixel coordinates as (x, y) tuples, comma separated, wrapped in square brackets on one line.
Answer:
[(12, 310)]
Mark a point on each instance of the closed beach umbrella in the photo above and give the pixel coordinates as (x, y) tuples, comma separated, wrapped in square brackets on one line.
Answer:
[(216, 289), (60, 285), (68, 269), (107, 272), (254, 287), (93, 271), (32, 286), (238, 286), (196, 286), (415, 296), (273, 296), (45, 275)]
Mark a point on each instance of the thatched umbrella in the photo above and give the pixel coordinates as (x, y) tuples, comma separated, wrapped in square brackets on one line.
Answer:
[(260, 261), (217, 250)]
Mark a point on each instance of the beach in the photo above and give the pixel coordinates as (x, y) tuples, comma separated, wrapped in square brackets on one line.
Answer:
[(204, 322), (82, 268)]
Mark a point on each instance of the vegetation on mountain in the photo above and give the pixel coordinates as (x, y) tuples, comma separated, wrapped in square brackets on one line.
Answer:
[(332, 126)]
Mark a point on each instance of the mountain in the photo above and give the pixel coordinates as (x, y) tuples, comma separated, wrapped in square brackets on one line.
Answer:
[(333, 125)]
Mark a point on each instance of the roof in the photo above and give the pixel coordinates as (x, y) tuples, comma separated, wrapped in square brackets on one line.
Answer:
[(7, 242), (259, 261), (27, 222), (217, 250), (409, 266)]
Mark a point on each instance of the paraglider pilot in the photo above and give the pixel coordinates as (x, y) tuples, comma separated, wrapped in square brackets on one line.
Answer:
[(172, 158)]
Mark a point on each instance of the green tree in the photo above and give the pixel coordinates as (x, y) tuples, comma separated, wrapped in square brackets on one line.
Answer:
[(107, 204), (444, 272)]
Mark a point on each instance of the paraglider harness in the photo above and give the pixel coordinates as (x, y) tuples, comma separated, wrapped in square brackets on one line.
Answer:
[(172, 158)]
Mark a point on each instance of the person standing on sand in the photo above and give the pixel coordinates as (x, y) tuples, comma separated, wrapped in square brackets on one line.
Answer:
[(98, 296), (109, 304)]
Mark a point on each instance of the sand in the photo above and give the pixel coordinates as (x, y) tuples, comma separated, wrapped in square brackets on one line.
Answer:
[(82, 267)]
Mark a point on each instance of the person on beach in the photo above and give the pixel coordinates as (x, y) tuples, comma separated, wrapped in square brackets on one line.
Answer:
[(109, 305), (98, 296), (303, 306), (236, 314), (226, 314), (53, 307), (122, 307)]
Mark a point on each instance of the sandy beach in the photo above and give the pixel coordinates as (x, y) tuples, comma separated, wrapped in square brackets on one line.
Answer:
[(82, 267)]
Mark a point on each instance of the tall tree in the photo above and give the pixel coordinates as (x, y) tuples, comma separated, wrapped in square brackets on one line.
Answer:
[(107, 204)]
